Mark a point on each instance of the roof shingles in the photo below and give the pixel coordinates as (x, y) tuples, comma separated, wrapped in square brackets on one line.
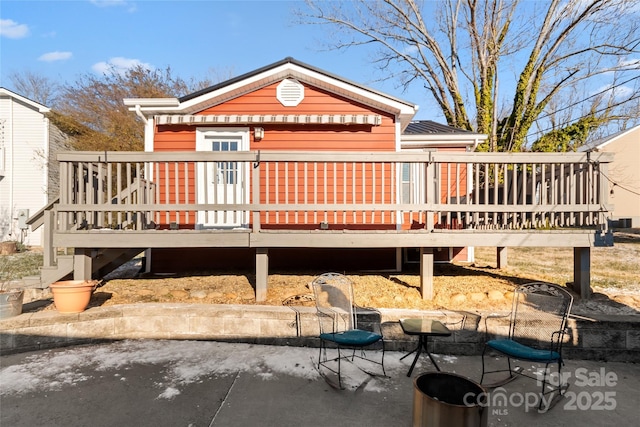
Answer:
[(428, 127)]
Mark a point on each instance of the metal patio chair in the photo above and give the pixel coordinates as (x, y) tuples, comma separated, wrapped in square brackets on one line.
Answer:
[(537, 330), (338, 319)]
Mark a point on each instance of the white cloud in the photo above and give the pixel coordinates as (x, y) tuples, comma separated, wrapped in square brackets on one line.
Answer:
[(108, 3), (118, 65), (614, 92), (55, 56), (131, 7), (629, 64), (409, 50), (12, 29)]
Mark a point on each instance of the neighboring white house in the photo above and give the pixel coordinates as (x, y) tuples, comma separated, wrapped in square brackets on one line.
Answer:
[(27, 145), (624, 173)]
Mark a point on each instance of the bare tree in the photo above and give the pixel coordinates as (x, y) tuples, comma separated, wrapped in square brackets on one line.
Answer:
[(461, 51), (91, 109), (36, 87)]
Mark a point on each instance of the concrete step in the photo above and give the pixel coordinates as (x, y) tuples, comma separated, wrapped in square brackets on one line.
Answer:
[(32, 282)]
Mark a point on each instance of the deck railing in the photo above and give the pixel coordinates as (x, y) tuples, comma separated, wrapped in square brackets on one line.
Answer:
[(285, 190)]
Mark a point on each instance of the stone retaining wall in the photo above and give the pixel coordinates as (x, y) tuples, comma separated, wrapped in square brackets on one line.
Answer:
[(612, 338)]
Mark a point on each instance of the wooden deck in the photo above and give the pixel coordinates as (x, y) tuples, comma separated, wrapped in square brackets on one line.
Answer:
[(262, 200)]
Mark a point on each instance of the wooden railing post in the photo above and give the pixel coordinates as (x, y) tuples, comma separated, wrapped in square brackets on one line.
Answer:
[(603, 197), (432, 184), (255, 192), (64, 191)]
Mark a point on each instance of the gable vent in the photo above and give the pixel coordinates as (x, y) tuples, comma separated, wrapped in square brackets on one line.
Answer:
[(290, 92)]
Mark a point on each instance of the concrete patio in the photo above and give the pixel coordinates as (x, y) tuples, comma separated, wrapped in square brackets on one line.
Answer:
[(204, 383)]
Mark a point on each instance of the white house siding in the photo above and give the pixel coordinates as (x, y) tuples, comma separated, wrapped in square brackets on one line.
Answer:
[(24, 182), (625, 172)]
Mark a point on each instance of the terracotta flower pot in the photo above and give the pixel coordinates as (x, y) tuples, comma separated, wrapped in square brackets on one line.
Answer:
[(72, 296)]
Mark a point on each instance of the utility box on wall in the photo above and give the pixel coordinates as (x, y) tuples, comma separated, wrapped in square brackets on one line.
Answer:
[(23, 216)]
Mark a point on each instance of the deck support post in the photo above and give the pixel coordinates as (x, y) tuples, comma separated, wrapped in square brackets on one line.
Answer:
[(501, 257), (262, 273), (82, 264), (426, 273), (582, 271)]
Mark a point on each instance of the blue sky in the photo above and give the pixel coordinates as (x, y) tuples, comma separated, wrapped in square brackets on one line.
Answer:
[(63, 39)]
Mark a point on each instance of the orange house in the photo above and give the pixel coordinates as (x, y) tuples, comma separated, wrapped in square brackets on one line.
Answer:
[(291, 107)]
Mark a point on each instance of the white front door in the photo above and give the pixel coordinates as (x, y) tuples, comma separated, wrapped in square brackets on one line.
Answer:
[(223, 182)]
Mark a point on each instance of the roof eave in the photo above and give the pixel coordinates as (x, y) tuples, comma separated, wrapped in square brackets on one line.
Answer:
[(264, 76), (450, 140), (152, 103), (41, 108)]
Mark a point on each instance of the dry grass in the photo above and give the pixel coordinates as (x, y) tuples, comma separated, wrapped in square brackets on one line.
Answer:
[(613, 267), (15, 266), (481, 286), (457, 287)]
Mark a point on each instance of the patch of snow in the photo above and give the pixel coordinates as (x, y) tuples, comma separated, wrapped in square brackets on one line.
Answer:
[(128, 270), (449, 359), (169, 393), (183, 363)]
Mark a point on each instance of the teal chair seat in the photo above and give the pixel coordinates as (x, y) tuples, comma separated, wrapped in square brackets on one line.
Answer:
[(523, 352), (353, 337)]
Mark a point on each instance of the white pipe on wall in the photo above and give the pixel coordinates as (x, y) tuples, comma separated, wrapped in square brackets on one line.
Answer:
[(11, 168)]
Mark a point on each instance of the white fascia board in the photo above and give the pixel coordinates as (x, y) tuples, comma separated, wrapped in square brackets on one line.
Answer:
[(243, 86), (365, 96), (438, 143), (404, 110), (454, 140), (148, 106), (41, 108), (151, 102)]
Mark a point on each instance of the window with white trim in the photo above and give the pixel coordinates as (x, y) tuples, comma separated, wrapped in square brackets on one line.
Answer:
[(412, 187)]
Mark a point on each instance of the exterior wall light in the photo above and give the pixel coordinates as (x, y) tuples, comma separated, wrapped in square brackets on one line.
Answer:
[(258, 133)]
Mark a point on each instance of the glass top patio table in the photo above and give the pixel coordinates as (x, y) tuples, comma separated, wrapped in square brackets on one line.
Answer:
[(424, 328)]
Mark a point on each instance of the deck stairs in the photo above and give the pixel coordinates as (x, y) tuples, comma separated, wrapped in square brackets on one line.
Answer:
[(104, 261)]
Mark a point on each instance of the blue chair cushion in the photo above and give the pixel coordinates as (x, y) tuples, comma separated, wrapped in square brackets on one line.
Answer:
[(521, 351), (353, 337)]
